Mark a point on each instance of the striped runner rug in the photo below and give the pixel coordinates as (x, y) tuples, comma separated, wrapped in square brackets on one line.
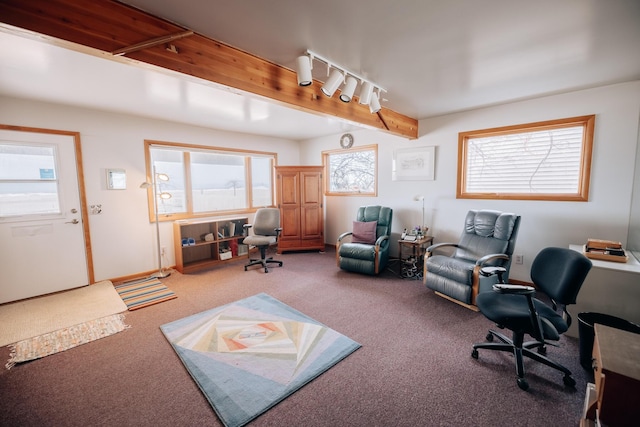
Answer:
[(143, 293)]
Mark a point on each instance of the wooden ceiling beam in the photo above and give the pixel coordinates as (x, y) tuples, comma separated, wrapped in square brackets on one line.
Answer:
[(151, 43), (116, 28)]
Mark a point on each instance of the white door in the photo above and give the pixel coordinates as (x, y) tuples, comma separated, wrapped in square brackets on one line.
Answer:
[(42, 246)]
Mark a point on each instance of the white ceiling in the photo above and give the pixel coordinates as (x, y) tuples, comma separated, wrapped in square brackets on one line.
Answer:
[(432, 56)]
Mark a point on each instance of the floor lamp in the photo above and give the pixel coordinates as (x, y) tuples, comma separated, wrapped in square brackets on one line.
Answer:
[(165, 196)]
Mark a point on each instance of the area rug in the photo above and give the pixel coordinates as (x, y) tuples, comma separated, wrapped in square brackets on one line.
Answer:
[(37, 316), (249, 355), (64, 339), (143, 293)]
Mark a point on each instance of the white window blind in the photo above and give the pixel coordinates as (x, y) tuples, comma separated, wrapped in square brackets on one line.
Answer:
[(533, 162), (548, 160)]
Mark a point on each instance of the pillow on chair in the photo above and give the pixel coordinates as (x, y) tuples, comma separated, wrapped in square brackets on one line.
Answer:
[(364, 232)]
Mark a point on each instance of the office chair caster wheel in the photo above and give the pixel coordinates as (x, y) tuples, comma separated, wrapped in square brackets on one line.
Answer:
[(523, 384), (245, 269), (474, 354), (489, 337), (542, 350), (266, 270), (568, 381)]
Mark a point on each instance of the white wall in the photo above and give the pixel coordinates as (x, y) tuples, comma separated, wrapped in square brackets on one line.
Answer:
[(122, 239), (605, 215)]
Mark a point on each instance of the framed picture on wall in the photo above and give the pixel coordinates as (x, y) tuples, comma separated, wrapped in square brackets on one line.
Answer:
[(414, 164)]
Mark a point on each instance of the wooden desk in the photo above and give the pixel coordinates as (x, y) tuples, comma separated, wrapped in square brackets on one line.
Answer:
[(610, 288)]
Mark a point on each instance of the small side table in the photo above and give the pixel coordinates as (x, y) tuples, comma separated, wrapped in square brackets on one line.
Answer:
[(411, 256)]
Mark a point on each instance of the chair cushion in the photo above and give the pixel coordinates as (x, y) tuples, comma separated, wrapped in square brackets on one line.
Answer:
[(358, 251), (512, 311), (487, 223), (451, 268), (364, 232), (259, 240)]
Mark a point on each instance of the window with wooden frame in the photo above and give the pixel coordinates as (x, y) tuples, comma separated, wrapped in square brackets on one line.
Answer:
[(351, 172), (548, 160), (198, 181)]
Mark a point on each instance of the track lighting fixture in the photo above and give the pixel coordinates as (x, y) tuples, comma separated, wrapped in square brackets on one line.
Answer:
[(304, 70), (335, 80), (337, 76), (365, 93), (374, 103), (349, 87)]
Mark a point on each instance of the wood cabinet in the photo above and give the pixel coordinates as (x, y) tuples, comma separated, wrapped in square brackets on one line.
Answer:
[(205, 243), (299, 196)]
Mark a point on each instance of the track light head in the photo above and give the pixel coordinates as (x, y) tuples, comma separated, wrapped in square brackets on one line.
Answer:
[(349, 87), (304, 70), (374, 103), (365, 93), (337, 76), (332, 84)]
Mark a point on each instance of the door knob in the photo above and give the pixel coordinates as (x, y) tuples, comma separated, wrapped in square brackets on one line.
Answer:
[(75, 221)]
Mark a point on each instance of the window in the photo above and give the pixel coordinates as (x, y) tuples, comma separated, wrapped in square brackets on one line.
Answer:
[(352, 172), (196, 181), (28, 180), (537, 161)]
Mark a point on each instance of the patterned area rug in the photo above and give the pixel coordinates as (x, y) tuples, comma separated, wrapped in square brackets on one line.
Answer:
[(143, 293), (64, 339), (251, 354)]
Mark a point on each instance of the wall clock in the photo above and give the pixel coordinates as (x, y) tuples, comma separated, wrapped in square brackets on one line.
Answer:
[(346, 140)]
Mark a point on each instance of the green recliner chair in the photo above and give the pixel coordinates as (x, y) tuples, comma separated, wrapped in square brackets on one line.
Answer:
[(488, 239), (365, 249)]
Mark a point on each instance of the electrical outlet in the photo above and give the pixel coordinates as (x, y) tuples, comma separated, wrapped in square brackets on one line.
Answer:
[(163, 250), (519, 259)]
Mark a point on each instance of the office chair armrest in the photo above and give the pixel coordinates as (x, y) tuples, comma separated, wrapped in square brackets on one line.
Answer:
[(343, 235), (245, 229), (514, 289), (491, 257)]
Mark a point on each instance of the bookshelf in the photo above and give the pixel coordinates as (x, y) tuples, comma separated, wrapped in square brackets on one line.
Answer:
[(204, 243)]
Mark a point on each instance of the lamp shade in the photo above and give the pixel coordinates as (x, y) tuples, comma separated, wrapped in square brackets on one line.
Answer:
[(332, 84), (349, 88), (304, 70), (365, 93), (374, 103)]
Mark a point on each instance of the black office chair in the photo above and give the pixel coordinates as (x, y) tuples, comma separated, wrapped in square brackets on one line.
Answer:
[(559, 274), (266, 230)]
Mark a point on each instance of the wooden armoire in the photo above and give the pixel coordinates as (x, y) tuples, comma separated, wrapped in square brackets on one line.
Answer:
[(299, 196)]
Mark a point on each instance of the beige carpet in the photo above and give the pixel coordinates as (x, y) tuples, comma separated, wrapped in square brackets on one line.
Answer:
[(37, 316)]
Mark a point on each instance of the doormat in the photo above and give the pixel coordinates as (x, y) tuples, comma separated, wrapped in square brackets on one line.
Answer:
[(64, 339), (143, 293), (251, 354)]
